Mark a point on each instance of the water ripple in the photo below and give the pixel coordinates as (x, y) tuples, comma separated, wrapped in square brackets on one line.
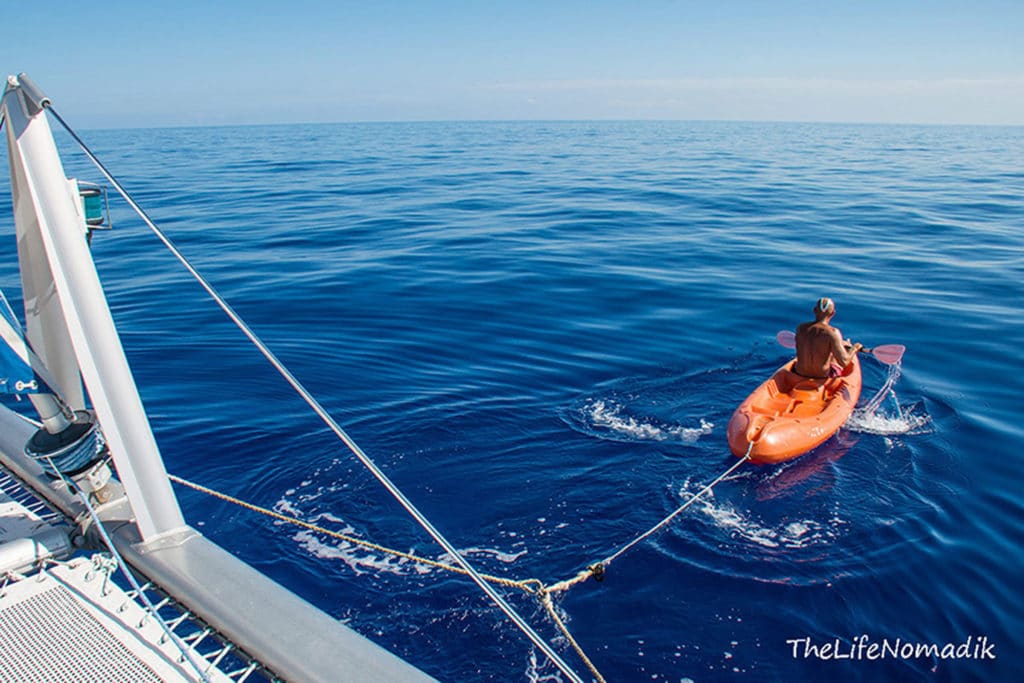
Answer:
[(540, 331)]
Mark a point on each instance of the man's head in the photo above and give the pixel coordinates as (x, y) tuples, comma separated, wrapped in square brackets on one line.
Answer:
[(824, 309)]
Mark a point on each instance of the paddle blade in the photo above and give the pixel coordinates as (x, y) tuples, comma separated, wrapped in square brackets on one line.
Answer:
[(787, 338), (890, 354)]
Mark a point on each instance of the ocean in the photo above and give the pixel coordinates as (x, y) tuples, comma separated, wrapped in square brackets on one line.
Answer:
[(539, 331)]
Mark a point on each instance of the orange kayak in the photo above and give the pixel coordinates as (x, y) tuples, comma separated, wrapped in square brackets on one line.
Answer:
[(790, 414)]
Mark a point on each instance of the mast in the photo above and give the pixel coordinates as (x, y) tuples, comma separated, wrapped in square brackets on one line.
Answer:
[(68, 321)]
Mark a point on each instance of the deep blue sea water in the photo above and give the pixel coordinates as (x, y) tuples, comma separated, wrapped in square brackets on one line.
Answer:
[(539, 331)]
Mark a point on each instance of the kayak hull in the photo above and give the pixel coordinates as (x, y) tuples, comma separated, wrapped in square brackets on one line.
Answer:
[(790, 414)]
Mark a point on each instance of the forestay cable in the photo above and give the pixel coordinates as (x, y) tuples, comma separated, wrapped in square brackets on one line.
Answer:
[(324, 415)]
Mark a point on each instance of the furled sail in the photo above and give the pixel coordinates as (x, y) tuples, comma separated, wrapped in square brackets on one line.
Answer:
[(67, 320), (37, 204)]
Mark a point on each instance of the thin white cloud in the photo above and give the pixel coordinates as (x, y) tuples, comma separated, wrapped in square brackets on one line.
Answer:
[(767, 83), (986, 100)]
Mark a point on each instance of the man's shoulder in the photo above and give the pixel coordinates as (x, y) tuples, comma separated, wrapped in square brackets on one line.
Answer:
[(815, 326)]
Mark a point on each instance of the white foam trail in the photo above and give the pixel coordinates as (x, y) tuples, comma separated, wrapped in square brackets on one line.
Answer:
[(360, 560), (534, 671), (363, 560), (609, 416), (798, 534), (505, 558), (871, 420), (887, 425)]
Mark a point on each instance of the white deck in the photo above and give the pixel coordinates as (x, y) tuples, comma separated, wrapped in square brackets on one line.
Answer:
[(28, 533), (70, 623)]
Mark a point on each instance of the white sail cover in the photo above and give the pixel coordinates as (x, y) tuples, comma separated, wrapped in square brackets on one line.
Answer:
[(67, 319), (45, 327)]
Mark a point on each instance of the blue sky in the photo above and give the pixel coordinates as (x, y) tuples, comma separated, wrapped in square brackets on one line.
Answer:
[(138, 64)]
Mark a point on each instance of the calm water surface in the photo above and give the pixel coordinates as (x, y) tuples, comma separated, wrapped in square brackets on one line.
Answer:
[(539, 331)]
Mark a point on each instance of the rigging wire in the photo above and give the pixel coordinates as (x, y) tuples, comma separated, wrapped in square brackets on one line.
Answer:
[(324, 415), (187, 653)]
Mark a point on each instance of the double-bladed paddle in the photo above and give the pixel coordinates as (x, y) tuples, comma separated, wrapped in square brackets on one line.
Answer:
[(890, 354)]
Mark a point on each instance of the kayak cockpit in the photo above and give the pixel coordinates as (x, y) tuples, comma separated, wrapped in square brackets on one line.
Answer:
[(790, 414)]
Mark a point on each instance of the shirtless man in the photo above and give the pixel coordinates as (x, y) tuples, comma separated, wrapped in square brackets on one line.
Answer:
[(820, 349)]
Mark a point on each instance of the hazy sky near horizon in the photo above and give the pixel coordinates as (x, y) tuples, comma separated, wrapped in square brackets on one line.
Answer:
[(133, 64)]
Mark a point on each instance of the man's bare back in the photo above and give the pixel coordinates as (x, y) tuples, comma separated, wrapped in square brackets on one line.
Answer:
[(819, 345)]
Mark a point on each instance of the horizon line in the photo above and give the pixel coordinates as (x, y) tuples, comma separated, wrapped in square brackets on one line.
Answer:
[(836, 122)]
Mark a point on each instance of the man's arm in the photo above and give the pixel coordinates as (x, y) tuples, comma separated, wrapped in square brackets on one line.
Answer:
[(839, 350)]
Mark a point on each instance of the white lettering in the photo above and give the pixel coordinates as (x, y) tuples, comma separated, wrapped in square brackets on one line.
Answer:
[(862, 647), (795, 642)]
